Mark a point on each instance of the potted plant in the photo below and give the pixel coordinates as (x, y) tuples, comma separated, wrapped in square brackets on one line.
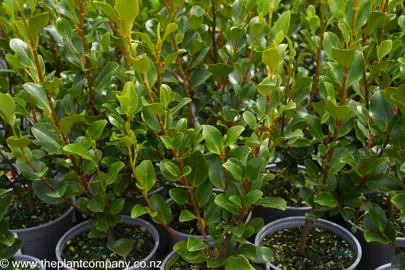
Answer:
[(36, 219), (324, 195), (9, 244)]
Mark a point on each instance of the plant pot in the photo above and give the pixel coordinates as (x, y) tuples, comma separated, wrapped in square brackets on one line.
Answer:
[(272, 214), (84, 227), (26, 258), (370, 249), (293, 222), (40, 241), (167, 259), (386, 267)]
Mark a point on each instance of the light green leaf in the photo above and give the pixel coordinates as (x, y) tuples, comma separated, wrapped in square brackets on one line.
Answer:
[(186, 215), (384, 48), (195, 244), (7, 109), (79, 150), (273, 202), (326, 199), (127, 9), (271, 58), (146, 175), (38, 94)]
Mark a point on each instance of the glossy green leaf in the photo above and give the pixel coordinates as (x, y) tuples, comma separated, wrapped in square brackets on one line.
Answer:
[(146, 175), (96, 204), (95, 130), (67, 122), (273, 202), (238, 262), (46, 135), (224, 202), (186, 215), (327, 199), (38, 94), (36, 23), (122, 246), (179, 195), (103, 78), (384, 48), (79, 150), (7, 109), (343, 56), (213, 139), (199, 168)]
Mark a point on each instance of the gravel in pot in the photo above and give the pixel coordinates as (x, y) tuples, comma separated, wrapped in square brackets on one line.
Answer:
[(329, 246), (75, 245)]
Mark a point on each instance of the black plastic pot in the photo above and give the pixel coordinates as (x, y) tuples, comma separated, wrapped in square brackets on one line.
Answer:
[(40, 241), (293, 222), (271, 214), (84, 227)]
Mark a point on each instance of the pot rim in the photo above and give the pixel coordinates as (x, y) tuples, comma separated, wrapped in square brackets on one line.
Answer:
[(386, 267), (167, 259), (85, 226), (292, 208), (28, 258), (325, 224), (46, 225)]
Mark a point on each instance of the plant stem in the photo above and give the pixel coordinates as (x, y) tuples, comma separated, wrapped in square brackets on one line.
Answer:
[(317, 58), (145, 195), (30, 202), (391, 208), (80, 31), (214, 27), (304, 236), (286, 89), (382, 8)]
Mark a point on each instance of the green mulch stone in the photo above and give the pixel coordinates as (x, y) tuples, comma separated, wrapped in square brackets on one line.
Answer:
[(178, 263), (19, 218), (382, 200), (324, 250), (82, 248), (284, 186)]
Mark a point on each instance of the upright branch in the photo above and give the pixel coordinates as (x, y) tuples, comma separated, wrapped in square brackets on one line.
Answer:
[(318, 56), (85, 63), (214, 27)]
